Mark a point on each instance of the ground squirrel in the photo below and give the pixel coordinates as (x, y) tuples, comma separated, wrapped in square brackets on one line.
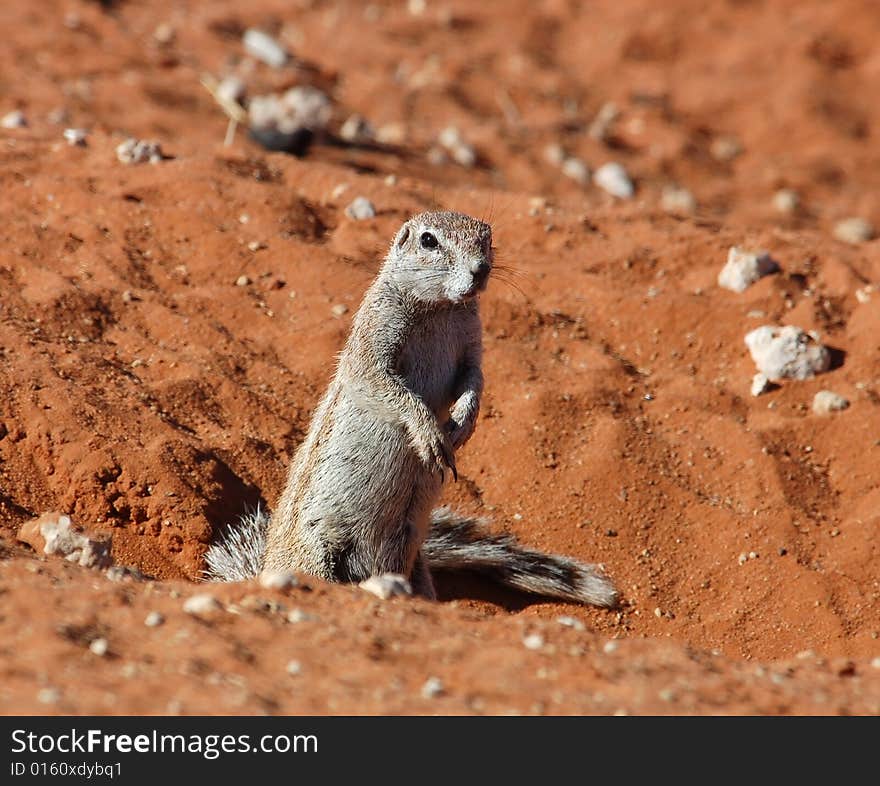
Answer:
[(404, 399)]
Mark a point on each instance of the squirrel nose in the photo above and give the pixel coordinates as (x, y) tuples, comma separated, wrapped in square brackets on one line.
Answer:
[(481, 271)]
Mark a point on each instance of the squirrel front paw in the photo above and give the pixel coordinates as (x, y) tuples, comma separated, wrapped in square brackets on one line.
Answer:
[(461, 424), (435, 450)]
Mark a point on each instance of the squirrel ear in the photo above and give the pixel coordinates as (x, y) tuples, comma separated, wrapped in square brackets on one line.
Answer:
[(402, 235)]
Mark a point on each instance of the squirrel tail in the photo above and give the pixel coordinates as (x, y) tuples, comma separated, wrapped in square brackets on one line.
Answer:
[(238, 554), (457, 542), (454, 542)]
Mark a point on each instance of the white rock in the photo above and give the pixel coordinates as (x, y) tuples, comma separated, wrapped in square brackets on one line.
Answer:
[(360, 209), (534, 641), (99, 647), (202, 605), (744, 268), (62, 539), (825, 402), (760, 384), (263, 47), (853, 230), (725, 148), (76, 137), (570, 622), (459, 150), (863, 294), (242, 281), (387, 585), (356, 129), (604, 120), (787, 352), (14, 119), (613, 178), (433, 688), (232, 88), (676, 199), (300, 107), (154, 619), (293, 668), (786, 200), (577, 170), (554, 154), (278, 579), (137, 151)]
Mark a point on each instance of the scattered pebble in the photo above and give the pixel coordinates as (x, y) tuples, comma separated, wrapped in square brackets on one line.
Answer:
[(360, 209), (760, 384), (863, 294), (356, 129), (242, 281), (339, 310), (99, 647), (232, 88), (725, 148), (14, 119), (289, 121), (293, 668), (534, 641), (786, 200), (460, 151), (164, 34), (391, 134), (787, 352), (388, 585), (570, 622), (658, 612), (154, 619), (606, 117), (825, 402), (610, 647), (555, 154), (298, 615), (744, 268), (853, 230), (676, 199), (433, 688), (49, 696), (202, 605), (76, 137), (137, 151), (53, 533), (614, 179), (875, 663), (577, 170), (265, 48), (256, 245), (277, 579)]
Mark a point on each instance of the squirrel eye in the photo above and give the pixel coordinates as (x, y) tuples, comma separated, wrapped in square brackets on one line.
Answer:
[(427, 240)]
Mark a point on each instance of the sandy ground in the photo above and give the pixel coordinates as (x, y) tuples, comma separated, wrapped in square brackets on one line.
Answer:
[(146, 394)]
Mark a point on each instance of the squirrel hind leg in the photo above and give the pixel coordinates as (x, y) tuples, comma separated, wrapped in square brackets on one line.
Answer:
[(421, 580)]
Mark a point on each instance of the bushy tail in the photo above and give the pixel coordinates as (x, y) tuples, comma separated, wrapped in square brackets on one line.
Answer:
[(459, 543), (238, 554), (455, 542)]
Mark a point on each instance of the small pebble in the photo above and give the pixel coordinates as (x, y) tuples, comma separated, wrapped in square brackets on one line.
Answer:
[(360, 209), (600, 128), (14, 119), (875, 663), (676, 199), (99, 647), (610, 646), (825, 402), (154, 619), (340, 309), (577, 170), (534, 641), (725, 148), (293, 667), (433, 688), (263, 47), (278, 580), (296, 616), (744, 268), (242, 281), (356, 129), (570, 622), (554, 154), (786, 200), (76, 137), (760, 384), (787, 352), (202, 605), (853, 231), (48, 695), (388, 585), (256, 245), (614, 179), (743, 558), (137, 151), (232, 89)]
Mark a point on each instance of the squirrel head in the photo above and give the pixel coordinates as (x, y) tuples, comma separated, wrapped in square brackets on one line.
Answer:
[(441, 257)]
